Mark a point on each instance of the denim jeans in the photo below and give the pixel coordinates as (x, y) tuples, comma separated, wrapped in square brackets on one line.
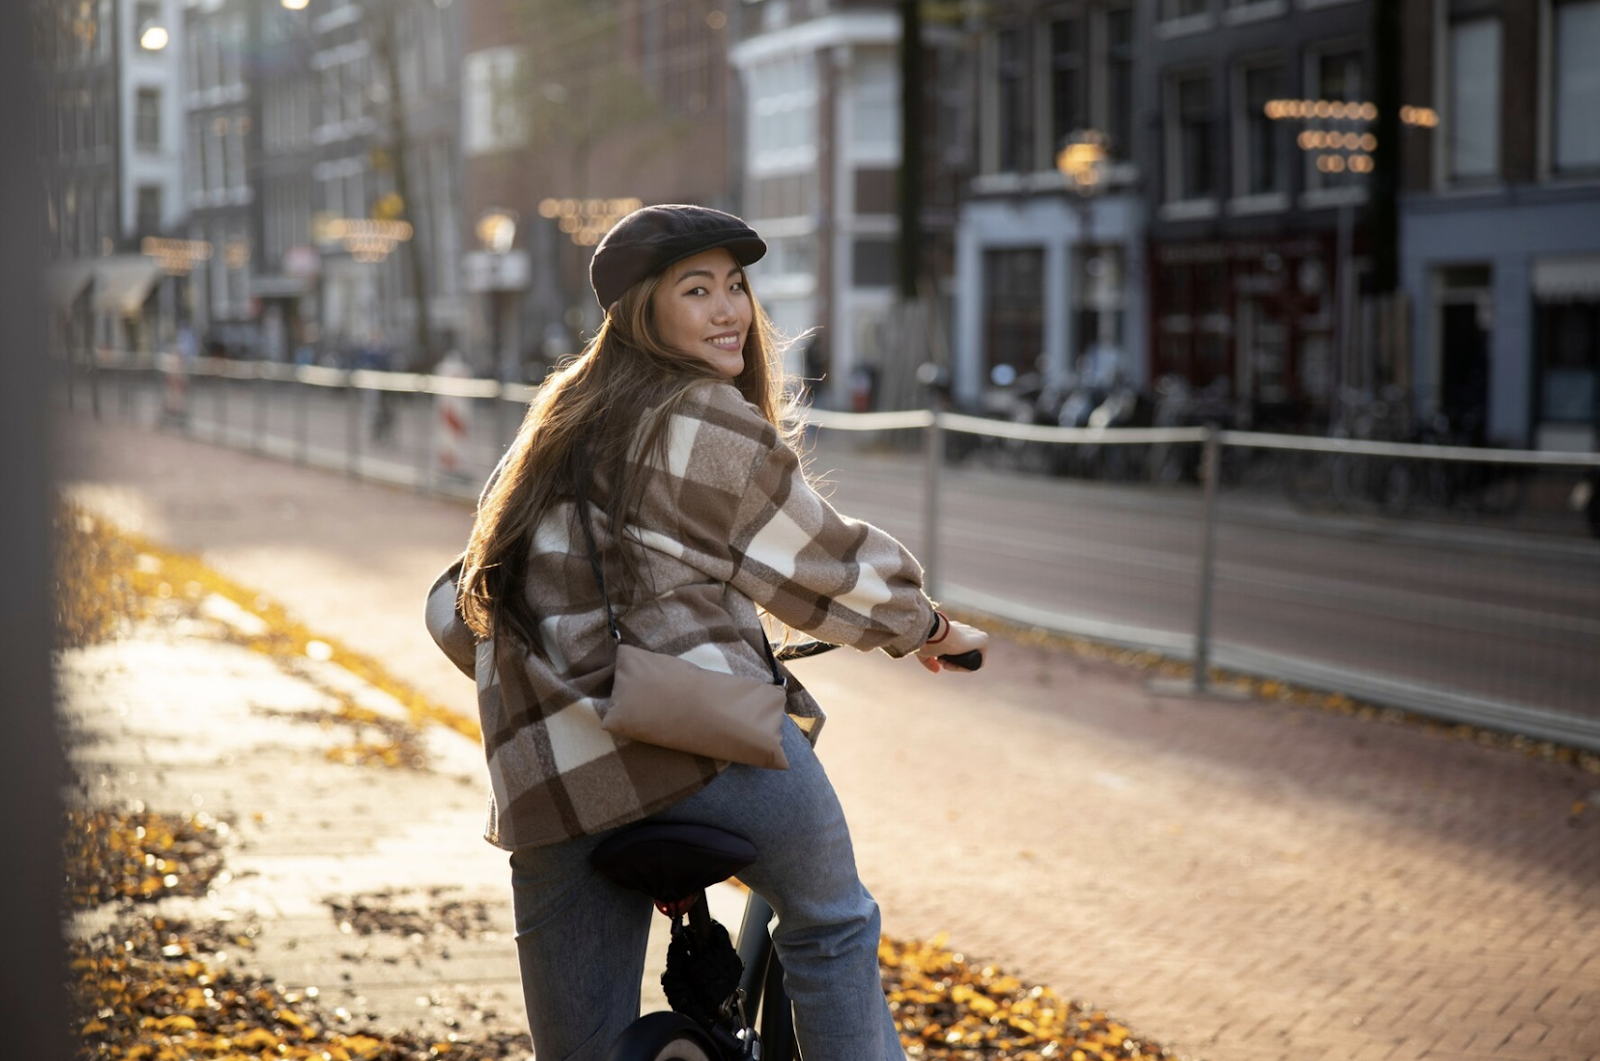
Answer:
[(581, 939)]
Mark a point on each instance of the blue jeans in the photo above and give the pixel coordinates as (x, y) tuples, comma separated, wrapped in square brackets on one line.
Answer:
[(581, 939)]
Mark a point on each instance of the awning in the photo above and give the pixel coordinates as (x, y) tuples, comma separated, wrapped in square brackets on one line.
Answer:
[(66, 281), (121, 284), (1567, 279)]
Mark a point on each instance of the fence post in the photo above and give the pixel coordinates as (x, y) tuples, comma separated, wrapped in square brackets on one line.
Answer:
[(301, 397), (220, 382), (258, 385), (353, 425), (1210, 473), (933, 450)]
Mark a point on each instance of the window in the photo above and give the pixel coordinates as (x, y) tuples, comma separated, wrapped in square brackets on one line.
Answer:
[(782, 115), (875, 125), (216, 174), (784, 195), (232, 48), (872, 262), (877, 190), (147, 120), (1016, 150), (1570, 347), (1069, 79), (148, 217), (1472, 94), (1191, 139), (1097, 298), (197, 157), (494, 117), (1119, 81), (1575, 87), (1013, 285), (1261, 169), (1336, 77)]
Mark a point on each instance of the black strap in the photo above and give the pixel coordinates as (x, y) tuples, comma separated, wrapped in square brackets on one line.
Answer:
[(582, 501)]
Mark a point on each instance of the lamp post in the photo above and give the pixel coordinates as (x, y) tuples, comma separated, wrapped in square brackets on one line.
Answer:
[(1081, 163), (497, 232)]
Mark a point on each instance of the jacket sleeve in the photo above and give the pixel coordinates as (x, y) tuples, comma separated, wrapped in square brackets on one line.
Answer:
[(450, 631), (836, 578)]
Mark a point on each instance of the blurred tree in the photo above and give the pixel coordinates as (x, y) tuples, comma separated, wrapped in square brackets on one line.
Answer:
[(393, 156), (582, 85)]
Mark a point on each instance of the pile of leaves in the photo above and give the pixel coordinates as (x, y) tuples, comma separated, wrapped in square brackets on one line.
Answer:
[(139, 855), (949, 1009), (159, 990), (94, 594)]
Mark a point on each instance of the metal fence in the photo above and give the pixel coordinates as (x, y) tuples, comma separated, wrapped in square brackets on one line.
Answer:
[(1460, 583)]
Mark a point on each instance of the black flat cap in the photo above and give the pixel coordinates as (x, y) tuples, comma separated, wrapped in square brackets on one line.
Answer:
[(650, 239)]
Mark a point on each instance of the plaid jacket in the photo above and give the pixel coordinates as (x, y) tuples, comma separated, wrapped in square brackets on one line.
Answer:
[(730, 528)]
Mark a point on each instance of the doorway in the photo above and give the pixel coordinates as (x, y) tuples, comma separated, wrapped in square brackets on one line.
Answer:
[(1465, 320)]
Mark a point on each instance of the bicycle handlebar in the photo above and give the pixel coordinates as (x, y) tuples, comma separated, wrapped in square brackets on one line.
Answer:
[(968, 661), (964, 660)]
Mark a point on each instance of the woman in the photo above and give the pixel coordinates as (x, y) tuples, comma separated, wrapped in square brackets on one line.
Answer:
[(670, 425)]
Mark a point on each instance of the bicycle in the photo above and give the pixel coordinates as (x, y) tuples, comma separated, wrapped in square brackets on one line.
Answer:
[(728, 1001)]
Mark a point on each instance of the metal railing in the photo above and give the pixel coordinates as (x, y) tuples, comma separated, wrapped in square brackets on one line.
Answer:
[(1491, 621)]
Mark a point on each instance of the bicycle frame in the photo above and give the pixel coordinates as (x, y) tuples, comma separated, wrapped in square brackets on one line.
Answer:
[(762, 983)]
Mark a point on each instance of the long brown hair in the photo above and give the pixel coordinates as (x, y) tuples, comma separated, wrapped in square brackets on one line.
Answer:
[(579, 433)]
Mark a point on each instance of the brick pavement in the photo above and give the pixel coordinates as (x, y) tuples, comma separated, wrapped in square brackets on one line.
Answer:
[(1238, 881)]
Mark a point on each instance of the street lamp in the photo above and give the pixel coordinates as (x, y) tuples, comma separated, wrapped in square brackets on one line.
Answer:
[(1082, 161), (153, 37), (1082, 164), (497, 229)]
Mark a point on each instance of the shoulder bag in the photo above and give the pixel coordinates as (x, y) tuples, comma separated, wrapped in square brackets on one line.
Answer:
[(670, 702)]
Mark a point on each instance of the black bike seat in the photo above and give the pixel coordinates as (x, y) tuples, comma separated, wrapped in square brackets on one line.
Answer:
[(670, 861)]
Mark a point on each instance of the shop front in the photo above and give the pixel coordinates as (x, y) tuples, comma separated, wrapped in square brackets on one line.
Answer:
[(1254, 320)]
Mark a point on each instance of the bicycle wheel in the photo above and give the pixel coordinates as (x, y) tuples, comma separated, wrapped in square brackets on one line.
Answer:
[(663, 1037)]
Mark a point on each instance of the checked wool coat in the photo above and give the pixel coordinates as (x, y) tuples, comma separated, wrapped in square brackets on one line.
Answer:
[(729, 529)]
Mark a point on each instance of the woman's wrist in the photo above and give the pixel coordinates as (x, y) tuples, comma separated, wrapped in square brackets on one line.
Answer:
[(940, 631)]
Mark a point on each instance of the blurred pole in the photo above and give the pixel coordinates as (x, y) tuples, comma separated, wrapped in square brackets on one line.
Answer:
[(1210, 472), (352, 407), (934, 446), (32, 772), (910, 148), (1384, 184)]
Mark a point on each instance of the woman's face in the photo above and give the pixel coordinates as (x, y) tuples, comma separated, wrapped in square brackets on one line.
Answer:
[(703, 311)]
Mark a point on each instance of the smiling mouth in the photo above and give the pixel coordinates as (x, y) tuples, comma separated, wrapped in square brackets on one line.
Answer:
[(726, 342)]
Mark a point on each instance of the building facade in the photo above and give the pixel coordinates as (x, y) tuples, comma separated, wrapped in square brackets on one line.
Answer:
[(111, 125), (1257, 244), (570, 117), (1047, 267), (1500, 220), (222, 133), (821, 170)]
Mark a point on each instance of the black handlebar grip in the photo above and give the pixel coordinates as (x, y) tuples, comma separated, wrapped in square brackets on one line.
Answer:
[(965, 660)]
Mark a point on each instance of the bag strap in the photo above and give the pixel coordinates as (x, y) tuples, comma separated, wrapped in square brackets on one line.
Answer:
[(581, 499)]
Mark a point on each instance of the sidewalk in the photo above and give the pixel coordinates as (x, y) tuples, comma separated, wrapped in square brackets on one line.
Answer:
[(1236, 881)]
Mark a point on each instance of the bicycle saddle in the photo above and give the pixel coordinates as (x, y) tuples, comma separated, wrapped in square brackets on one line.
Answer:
[(671, 861)]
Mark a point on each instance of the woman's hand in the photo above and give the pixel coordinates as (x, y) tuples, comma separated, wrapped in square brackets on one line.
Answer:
[(951, 639)]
